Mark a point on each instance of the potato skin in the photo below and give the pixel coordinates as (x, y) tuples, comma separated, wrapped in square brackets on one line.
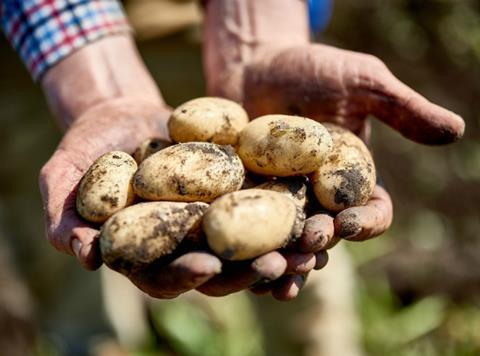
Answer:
[(106, 187), (282, 145), (149, 147), (140, 234), (208, 119), (347, 177), (249, 223), (194, 171), (296, 189)]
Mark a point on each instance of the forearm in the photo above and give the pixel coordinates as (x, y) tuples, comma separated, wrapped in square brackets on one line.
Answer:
[(238, 31), (109, 68)]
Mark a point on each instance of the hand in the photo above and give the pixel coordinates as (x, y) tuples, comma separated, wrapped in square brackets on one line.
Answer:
[(329, 84), (255, 57), (119, 124)]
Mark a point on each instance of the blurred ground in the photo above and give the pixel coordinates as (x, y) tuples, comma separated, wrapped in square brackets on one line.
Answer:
[(417, 285)]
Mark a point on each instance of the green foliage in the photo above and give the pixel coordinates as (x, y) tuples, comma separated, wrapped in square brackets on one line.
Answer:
[(194, 327)]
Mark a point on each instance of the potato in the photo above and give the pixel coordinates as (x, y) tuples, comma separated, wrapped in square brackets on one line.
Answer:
[(149, 147), (347, 177), (296, 189), (194, 171), (106, 187), (282, 145), (249, 223), (208, 119), (140, 234)]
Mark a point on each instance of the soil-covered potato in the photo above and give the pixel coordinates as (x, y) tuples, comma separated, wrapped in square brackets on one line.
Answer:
[(106, 187), (347, 177), (208, 119), (249, 223), (282, 145), (149, 147), (194, 171), (294, 188), (140, 234)]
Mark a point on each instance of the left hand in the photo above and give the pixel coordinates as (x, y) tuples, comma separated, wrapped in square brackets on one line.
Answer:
[(330, 84)]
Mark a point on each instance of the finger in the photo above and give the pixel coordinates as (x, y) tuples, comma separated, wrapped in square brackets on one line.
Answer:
[(317, 233), (288, 287), (321, 260), (238, 276), (183, 274), (405, 110), (364, 222), (299, 263), (84, 244)]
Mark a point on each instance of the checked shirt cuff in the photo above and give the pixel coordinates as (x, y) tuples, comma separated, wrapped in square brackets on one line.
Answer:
[(45, 31)]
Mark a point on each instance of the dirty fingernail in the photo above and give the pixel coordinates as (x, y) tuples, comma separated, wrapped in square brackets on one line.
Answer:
[(321, 260), (348, 229)]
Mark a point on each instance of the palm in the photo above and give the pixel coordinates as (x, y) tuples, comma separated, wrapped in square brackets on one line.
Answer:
[(92, 135), (329, 84)]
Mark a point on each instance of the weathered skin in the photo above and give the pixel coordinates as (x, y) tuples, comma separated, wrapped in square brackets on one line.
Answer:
[(254, 56), (208, 119), (193, 171), (347, 176), (106, 187), (282, 146)]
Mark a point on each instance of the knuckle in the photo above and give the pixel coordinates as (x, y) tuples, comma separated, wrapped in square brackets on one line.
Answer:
[(375, 61), (44, 174)]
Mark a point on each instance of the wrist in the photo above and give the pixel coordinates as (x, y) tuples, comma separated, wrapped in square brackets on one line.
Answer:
[(107, 69), (238, 32)]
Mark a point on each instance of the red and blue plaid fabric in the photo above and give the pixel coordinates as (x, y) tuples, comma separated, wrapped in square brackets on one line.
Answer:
[(45, 31)]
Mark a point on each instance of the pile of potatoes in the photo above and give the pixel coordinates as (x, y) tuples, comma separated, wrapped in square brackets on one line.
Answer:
[(239, 188)]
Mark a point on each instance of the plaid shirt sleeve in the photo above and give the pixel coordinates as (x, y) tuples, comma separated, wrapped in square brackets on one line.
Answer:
[(45, 31)]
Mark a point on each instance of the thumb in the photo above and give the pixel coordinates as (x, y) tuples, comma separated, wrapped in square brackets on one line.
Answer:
[(406, 111), (66, 231)]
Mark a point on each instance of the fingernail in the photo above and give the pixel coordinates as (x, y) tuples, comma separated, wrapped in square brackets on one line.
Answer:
[(76, 246), (303, 279), (321, 260), (215, 266)]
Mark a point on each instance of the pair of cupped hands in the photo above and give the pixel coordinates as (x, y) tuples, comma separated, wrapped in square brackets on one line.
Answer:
[(315, 81)]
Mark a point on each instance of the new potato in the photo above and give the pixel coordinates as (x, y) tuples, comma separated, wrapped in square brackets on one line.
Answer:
[(194, 171), (106, 187), (347, 177), (249, 223), (149, 147), (142, 233), (295, 188), (282, 145), (207, 119)]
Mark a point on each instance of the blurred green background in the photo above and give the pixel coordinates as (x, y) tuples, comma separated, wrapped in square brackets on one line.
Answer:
[(417, 286)]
